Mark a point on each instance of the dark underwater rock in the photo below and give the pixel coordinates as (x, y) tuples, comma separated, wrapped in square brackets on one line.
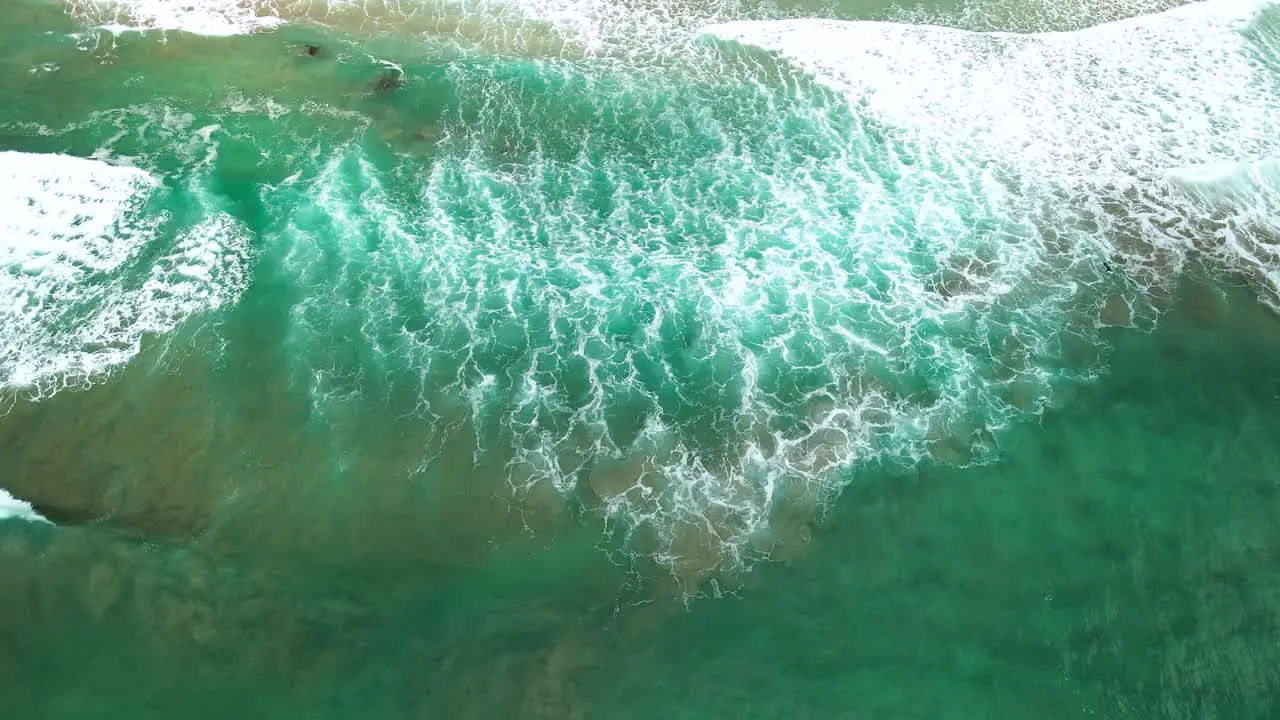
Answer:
[(390, 81)]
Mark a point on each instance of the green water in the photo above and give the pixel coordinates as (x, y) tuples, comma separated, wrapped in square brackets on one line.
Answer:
[(556, 383)]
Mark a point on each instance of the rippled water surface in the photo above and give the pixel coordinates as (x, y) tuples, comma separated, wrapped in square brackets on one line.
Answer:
[(549, 359)]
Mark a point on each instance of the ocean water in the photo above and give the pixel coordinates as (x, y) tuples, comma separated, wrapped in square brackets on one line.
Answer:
[(661, 358)]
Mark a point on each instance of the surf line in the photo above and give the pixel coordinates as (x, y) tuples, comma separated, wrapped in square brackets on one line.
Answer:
[(12, 507)]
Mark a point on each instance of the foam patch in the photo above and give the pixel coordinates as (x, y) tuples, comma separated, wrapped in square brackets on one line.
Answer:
[(1136, 96), (76, 293), (205, 17)]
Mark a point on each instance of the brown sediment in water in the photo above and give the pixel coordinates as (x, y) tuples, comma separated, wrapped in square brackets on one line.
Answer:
[(820, 451), (178, 608), (631, 479), (796, 512), (518, 659), (1204, 301), (104, 588), (551, 691), (1024, 395), (966, 276), (696, 556), (132, 451), (166, 454), (1116, 312)]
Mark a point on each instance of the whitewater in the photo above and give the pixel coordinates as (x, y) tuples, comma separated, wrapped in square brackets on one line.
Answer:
[(687, 303), (11, 507)]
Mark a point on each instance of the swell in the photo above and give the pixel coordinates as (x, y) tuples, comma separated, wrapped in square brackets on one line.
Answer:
[(1099, 117), (688, 296)]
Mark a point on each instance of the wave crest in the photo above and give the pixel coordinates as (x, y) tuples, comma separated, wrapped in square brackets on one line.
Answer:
[(89, 267)]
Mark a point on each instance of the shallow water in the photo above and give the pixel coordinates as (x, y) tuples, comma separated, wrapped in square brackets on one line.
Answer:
[(592, 368), (1117, 562)]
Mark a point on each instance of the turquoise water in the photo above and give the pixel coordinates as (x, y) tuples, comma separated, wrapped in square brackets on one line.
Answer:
[(508, 362)]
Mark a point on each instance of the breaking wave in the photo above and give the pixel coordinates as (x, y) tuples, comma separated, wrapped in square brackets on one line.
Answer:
[(689, 284), (92, 262), (690, 302), (12, 507), (1110, 117)]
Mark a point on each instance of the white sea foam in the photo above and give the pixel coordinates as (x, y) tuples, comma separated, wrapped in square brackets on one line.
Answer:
[(1251, 187), (494, 24), (1106, 117), (12, 507), (636, 28), (1140, 95), (201, 17), (76, 295), (1242, 199)]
